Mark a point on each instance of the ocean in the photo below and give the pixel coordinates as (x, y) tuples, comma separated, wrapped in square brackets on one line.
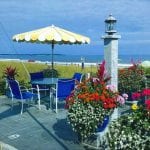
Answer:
[(122, 59)]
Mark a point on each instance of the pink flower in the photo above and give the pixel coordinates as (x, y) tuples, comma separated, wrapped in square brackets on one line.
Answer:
[(136, 96), (111, 88), (125, 96), (120, 99)]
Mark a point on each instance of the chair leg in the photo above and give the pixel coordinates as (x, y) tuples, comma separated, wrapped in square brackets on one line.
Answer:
[(56, 103), (45, 92), (12, 103), (50, 100), (39, 100), (21, 107)]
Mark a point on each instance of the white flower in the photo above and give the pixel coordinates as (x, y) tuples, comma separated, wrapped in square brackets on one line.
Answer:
[(130, 138)]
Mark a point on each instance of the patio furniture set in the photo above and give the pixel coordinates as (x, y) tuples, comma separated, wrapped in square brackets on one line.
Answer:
[(57, 88)]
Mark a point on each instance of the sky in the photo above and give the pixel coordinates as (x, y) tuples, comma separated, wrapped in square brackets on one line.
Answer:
[(85, 17)]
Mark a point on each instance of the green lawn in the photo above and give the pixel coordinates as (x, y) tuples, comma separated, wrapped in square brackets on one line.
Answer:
[(65, 71)]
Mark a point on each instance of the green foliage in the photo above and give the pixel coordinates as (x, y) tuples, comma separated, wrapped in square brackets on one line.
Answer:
[(85, 117), (2, 86), (50, 73), (131, 131), (24, 78), (147, 74), (131, 79), (146, 70)]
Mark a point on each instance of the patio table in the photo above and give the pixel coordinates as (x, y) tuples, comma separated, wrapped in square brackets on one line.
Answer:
[(44, 81)]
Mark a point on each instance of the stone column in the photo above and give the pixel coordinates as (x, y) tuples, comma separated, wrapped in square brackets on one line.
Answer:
[(111, 57)]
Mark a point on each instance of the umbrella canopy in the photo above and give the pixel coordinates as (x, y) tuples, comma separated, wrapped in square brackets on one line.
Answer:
[(51, 35)]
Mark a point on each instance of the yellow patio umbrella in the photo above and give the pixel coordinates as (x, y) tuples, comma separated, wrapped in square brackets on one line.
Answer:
[(51, 35)]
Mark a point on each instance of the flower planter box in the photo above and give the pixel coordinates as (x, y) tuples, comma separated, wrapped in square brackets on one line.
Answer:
[(132, 102), (100, 139)]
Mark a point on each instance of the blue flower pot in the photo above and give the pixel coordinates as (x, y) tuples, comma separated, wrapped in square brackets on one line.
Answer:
[(101, 127)]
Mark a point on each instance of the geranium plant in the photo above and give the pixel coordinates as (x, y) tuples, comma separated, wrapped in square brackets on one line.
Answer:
[(145, 93), (91, 101), (136, 96), (131, 79)]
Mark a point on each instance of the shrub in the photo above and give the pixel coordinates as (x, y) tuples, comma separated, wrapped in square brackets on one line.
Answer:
[(49, 73), (131, 79)]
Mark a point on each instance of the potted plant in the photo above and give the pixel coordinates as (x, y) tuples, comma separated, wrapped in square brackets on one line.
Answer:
[(10, 73), (90, 103), (50, 73)]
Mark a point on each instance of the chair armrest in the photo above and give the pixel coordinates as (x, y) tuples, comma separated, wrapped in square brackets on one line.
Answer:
[(27, 90), (23, 88), (43, 89), (65, 79), (53, 89), (37, 88)]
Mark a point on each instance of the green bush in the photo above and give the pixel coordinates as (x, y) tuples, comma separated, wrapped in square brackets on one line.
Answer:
[(131, 79), (2, 87), (51, 73)]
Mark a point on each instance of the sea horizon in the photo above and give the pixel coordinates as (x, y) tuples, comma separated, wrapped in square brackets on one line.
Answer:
[(122, 58)]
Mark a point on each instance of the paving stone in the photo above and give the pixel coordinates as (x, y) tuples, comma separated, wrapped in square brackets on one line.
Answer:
[(36, 129)]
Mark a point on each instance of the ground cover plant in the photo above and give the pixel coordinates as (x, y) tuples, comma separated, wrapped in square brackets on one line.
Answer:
[(131, 131)]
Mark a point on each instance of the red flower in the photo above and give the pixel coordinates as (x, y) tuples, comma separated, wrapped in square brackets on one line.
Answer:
[(146, 92), (69, 101), (109, 103), (10, 72), (147, 103), (136, 95), (101, 74)]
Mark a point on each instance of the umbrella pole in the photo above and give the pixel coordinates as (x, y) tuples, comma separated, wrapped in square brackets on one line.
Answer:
[(52, 55)]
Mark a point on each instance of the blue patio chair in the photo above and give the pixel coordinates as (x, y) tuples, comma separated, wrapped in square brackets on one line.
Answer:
[(38, 88), (36, 75), (77, 76), (20, 95), (62, 91)]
